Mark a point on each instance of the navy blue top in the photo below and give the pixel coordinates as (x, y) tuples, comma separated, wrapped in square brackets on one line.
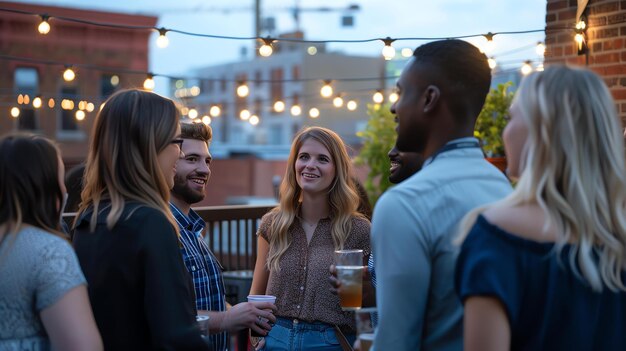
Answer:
[(548, 307)]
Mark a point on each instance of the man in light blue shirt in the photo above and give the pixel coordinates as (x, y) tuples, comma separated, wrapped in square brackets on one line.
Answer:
[(442, 91)]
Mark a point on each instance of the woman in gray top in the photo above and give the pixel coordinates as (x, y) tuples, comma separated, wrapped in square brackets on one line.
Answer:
[(43, 297)]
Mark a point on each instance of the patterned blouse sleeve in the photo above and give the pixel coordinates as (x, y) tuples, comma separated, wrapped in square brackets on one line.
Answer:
[(361, 229), (264, 227), (56, 272), (488, 266)]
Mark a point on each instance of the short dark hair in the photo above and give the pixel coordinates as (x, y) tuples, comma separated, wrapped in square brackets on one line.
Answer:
[(196, 131), (463, 68)]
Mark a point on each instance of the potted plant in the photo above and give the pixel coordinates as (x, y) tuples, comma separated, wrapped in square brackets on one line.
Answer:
[(491, 122)]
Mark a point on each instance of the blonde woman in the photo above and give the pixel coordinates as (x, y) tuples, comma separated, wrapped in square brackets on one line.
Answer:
[(125, 235), (317, 214), (43, 293), (543, 269)]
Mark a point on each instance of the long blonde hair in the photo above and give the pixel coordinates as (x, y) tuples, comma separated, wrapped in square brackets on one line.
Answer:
[(122, 165), (572, 166), (342, 196)]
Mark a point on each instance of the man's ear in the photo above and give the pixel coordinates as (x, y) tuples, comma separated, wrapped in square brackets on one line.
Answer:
[(431, 99)]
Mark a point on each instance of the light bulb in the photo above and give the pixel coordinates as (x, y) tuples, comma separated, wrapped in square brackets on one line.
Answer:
[(540, 67), (338, 101), (393, 97), (15, 112), (295, 110), (115, 80), (206, 120), (148, 84), (80, 115), (314, 113), (90, 107), (279, 106), (489, 45), (254, 120), (327, 90), (215, 111), (244, 114), (265, 50), (68, 74), (526, 68), (351, 105), (26, 99), (193, 113), (311, 50), (243, 90), (51, 103), (162, 40), (20, 99), (406, 52), (389, 52), (492, 62), (44, 26), (378, 97), (540, 49), (37, 102)]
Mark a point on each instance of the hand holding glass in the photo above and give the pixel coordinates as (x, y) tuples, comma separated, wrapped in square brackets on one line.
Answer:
[(349, 265)]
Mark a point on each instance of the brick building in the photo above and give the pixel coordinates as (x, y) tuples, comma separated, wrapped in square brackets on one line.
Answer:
[(32, 64), (605, 39)]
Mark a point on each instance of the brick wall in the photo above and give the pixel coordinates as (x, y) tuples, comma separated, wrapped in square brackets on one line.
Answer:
[(606, 39)]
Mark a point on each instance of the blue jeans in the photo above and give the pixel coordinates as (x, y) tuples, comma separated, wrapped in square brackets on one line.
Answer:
[(296, 335)]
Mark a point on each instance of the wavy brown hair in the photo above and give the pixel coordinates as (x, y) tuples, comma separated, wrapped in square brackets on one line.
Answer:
[(130, 131), (30, 192), (342, 195)]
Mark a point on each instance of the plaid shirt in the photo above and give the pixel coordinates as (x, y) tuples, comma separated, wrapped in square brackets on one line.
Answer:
[(204, 268)]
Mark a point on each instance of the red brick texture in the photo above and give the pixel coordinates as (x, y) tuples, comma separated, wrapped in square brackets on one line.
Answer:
[(606, 39)]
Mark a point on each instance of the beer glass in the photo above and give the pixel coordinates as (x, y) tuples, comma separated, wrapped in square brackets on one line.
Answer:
[(365, 327), (349, 265)]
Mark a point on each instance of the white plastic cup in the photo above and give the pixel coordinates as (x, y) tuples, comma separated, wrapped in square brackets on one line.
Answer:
[(261, 298), (203, 324)]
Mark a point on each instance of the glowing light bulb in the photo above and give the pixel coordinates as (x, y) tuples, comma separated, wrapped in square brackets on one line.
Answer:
[(243, 90), (244, 114), (389, 51), (406, 52), (206, 120), (279, 106), (162, 41), (314, 113), (15, 112), (115, 80), (266, 49), (51, 103), (393, 97), (327, 89), (68, 74), (492, 62), (193, 113), (311, 50), (540, 49), (351, 105), (540, 67), (254, 120), (378, 97), (526, 68), (148, 84), (338, 101), (90, 107), (26, 99), (20, 99), (80, 115), (215, 111), (295, 110), (37, 102), (44, 26), (489, 45)]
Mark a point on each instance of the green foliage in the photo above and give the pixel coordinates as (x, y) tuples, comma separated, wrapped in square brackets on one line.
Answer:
[(378, 137), (492, 120)]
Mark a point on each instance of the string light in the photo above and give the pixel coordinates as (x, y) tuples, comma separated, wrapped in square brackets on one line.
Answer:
[(266, 49), (351, 105), (15, 112), (338, 101), (314, 113), (489, 45), (20, 99), (311, 50), (90, 107), (26, 99), (393, 97), (492, 62), (279, 106), (378, 97), (184, 111), (162, 41), (51, 103), (68, 74), (540, 49), (526, 68), (242, 89), (80, 115), (44, 26), (148, 84), (206, 120), (115, 80), (37, 102), (244, 114), (193, 113), (327, 89), (254, 120), (215, 111), (82, 105), (540, 67), (389, 51), (296, 110), (406, 52), (580, 34)]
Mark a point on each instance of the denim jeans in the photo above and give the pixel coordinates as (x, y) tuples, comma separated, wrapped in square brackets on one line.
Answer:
[(296, 335)]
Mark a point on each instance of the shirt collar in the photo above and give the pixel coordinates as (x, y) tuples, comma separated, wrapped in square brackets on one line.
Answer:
[(455, 141), (193, 222)]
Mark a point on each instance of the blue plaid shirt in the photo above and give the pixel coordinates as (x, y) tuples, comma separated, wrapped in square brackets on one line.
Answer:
[(204, 268)]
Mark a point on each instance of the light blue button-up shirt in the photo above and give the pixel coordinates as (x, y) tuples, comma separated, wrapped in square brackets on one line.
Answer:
[(413, 227)]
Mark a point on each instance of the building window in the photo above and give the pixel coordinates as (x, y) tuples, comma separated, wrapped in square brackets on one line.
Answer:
[(27, 83), (223, 84), (108, 84), (207, 85), (295, 72), (277, 77), (68, 117)]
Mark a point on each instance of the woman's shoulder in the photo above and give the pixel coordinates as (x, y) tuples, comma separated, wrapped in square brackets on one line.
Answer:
[(360, 223), (527, 222)]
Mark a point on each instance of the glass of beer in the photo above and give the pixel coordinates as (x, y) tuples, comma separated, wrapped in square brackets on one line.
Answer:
[(349, 265), (365, 326)]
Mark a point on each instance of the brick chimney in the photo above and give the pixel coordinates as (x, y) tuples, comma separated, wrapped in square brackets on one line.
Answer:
[(606, 40)]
